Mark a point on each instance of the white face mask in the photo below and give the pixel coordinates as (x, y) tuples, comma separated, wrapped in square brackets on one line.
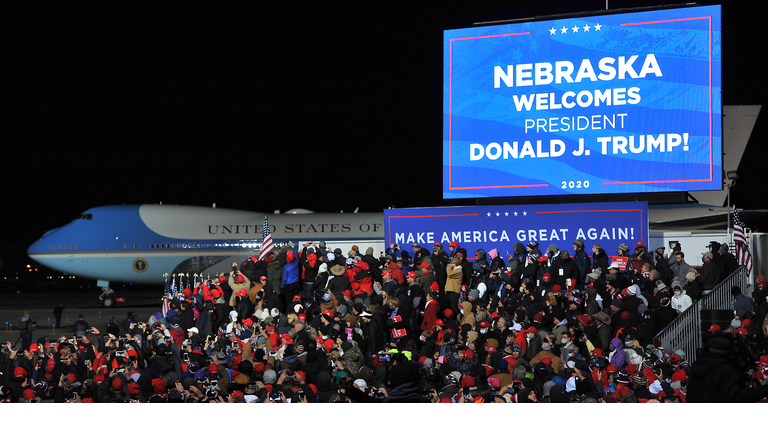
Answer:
[(565, 341), (483, 331)]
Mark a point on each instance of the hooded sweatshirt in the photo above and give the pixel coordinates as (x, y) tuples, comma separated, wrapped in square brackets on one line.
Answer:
[(681, 301), (617, 357)]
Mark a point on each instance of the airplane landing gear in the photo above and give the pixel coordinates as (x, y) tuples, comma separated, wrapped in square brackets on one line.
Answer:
[(106, 298)]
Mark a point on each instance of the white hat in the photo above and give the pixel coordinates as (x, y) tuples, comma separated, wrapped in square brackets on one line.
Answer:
[(274, 312), (361, 384), (193, 330), (233, 314)]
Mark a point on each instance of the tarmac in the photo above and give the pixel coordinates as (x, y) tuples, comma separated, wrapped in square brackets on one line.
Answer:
[(40, 306)]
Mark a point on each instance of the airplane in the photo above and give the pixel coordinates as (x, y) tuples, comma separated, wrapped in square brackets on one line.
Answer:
[(143, 244)]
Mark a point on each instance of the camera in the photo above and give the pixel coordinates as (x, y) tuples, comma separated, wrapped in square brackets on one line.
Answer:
[(275, 397)]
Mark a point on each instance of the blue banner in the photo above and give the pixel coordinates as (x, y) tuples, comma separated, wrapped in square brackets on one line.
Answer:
[(500, 227), (589, 105)]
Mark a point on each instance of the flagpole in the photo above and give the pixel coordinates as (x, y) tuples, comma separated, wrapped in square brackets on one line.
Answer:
[(731, 177)]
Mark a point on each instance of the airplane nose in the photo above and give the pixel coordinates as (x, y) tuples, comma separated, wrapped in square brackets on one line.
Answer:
[(40, 245)]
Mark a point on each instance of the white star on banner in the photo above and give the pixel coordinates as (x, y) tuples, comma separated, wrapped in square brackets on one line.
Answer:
[(497, 214), (563, 30), (575, 29), (586, 28), (525, 213), (598, 27), (489, 214), (506, 214), (515, 213), (552, 31)]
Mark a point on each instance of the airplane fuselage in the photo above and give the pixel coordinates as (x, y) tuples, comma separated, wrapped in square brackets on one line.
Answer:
[(142, 243)]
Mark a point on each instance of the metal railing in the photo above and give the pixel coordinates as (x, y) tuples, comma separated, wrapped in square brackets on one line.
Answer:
[(685, 332)]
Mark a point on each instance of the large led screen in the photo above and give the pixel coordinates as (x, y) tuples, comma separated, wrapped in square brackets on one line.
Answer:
[(590, 105)]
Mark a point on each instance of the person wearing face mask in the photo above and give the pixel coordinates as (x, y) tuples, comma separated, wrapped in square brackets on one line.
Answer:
[(467, 316), (484, 326), (680, 301)]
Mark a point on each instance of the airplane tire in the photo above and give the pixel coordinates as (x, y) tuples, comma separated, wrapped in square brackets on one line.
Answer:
[(108, 302)]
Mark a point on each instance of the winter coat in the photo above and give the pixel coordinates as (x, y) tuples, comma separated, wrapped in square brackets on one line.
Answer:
[(427, 279), (600, 261), (274, 274), (562, 270), (709, 276), (662, 266), (310, 265), (353, 359), (430, 316), (678, 270), (681, 301), (290, 271), (617, 357), (582, 263), (468, 317), (440, 263), (604, 333), (455, 278)]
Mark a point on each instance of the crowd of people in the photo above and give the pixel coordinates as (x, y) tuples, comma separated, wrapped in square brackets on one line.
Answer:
[(315, 325)]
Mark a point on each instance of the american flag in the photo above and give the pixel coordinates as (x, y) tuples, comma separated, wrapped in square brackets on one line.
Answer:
[(166, 301), (266, 244), (742, 247)]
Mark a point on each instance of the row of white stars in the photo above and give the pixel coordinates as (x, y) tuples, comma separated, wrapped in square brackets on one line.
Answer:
[(498, 214), (575, 29)]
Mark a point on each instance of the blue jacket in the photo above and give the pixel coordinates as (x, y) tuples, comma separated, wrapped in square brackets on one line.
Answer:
[(583, 263), (291, 270)]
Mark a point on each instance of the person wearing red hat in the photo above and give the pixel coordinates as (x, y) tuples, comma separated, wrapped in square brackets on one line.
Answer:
[(453, 247), (290, 283), (310, 268), (639, 258), (112, 389)]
